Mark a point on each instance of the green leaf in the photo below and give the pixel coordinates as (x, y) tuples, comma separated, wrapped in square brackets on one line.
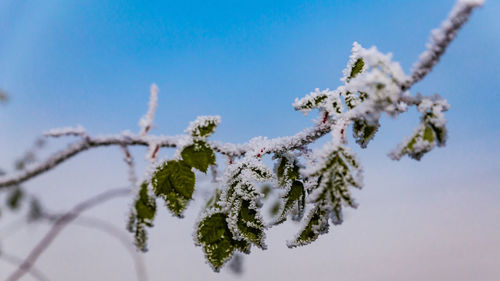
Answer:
[(428, 134), (287, 172), (217, 240), (364, 132), (425, 138), (357, 68), (440, 133), (176, 203), (312, 102), (145, 206), (198, 155), (296, 196), (142, 216), (317, 224), (174, 182), (14, 198), (335, 177), (250, 225)]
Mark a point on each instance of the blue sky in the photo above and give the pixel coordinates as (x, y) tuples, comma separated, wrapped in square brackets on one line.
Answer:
[(91, 63)]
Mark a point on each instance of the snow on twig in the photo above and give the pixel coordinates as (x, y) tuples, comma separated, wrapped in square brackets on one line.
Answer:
[(147, 120), (66, 131), (441, 38)]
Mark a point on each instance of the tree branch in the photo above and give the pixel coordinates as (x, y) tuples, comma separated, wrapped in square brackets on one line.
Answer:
[(59, 224), (37, 274), (441, 39), (304, 137), (113, 231)]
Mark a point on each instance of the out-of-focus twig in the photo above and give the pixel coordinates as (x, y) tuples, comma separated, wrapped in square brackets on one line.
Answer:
[(59, 224)]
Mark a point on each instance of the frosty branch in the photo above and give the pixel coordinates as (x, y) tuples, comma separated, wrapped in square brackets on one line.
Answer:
[(314, 185)]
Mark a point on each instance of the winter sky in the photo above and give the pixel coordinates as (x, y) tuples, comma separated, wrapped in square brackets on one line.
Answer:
[(66, 63)]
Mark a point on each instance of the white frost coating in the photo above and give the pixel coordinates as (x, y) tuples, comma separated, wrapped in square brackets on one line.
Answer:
[(66, 131), (326, 100), (419, 145), (432, 130), (147, 120), (355, 55), (196, 126), (440, 39), (238, 179), (436, 107), (375, 59), (320, 228)]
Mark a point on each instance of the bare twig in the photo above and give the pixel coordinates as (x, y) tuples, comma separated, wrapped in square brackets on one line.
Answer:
[(113, 231), (59, 224), (129, 160), (16, 261)]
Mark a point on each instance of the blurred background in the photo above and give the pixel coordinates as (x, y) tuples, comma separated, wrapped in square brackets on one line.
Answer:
[(65, 63)]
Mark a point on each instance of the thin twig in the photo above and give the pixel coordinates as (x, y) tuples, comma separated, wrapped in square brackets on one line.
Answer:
[(441, 39), (59, 224), (16, 261), (113, 231)]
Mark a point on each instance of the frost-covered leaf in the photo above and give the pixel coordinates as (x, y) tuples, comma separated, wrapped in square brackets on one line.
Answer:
[(421, 142), (325, 100), (250, 224), (142, 216), (242, 201), (363, 131), (287, 170), (336, 173), (357, 67), (203, 126), (315, 224), (217, 240), (377, 77), (145, 206), (432, 130), (174, 182), (294, 198), (198, 155), (311, 101)]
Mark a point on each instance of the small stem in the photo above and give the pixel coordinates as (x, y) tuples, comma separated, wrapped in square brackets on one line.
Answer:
[(59, 225)]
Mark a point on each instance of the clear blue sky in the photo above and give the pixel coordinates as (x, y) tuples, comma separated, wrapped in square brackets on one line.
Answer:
[(91, 63)]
